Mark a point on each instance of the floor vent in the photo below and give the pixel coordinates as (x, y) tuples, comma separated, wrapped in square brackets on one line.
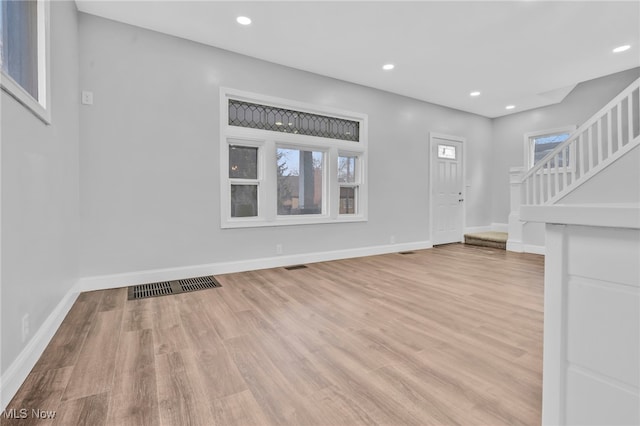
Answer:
[(144, 291), (200, 283), (294, 267), (407, 252), (150, 290)]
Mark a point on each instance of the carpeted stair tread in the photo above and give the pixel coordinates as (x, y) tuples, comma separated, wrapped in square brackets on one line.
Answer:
[(487, 239)]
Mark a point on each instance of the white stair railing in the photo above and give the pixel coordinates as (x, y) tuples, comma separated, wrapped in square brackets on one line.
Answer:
[(605, 137)]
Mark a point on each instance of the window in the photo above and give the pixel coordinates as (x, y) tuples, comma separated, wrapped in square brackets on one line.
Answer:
[(300, 181), (447, 151), (286, 163), (24, 53), (348, 179), (539, 144), (243, 176)]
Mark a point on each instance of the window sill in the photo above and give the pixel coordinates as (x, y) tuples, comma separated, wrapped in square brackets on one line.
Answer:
[(289, 221), (14, 90)]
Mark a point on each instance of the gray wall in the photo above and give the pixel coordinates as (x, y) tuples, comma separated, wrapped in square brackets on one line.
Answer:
[(40, 193), (149, 169), (606, 184), (508, 131)]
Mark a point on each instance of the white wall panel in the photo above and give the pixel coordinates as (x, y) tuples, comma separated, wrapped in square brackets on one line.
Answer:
[(591, 372), (606, 254), (603, 328), (591, 401)]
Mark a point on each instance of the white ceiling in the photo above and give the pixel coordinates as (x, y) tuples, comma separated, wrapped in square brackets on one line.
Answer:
[(525, 53)]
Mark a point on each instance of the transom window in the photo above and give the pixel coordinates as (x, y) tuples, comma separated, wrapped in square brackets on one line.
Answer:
[(256, 116), (286, 163)]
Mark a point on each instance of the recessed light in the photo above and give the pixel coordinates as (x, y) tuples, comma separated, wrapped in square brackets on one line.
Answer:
[(510, 107), (474, 94), (243, 20), (388, 67), (621, 48)]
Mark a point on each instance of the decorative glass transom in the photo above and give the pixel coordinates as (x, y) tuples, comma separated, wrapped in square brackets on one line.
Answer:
[(265, 117)]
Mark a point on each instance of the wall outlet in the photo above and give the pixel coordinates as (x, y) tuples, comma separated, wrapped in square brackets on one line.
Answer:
[(392, 239), (278, 248), (87, 98), (25, 327)]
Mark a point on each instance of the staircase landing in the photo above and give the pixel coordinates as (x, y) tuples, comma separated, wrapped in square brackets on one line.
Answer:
[(487, 239)]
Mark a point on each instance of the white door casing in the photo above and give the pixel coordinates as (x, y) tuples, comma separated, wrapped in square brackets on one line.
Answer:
[(447, 179)]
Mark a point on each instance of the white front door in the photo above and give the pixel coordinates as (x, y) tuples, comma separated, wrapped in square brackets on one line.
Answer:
[(447, 189)]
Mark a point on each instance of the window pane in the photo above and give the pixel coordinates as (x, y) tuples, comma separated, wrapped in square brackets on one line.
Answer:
[(447, 151), (347, 169), (243, 162), (244, 200), (3, 36), (348, 200), (19, 42), (543, 145), (300, 181)]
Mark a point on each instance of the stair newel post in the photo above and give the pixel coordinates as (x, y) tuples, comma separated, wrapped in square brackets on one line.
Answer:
[(514, 241)]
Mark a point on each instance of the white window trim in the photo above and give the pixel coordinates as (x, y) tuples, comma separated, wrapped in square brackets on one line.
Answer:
[(268, 142), (529, 147), (41, 107)]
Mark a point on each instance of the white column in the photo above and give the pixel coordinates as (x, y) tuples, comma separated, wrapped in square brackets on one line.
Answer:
[(514, 241), (554, 352)]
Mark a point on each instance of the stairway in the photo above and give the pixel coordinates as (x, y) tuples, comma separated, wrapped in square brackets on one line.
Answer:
[(598, 143), (609, 135)]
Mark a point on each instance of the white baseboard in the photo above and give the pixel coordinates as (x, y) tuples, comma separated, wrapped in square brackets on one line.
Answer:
[(102, 282), (519, 247), (515, 246), (20, 368), (528, 248), (500, 227)]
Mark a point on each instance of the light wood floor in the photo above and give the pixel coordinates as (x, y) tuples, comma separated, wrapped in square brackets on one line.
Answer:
[(451, 335)]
